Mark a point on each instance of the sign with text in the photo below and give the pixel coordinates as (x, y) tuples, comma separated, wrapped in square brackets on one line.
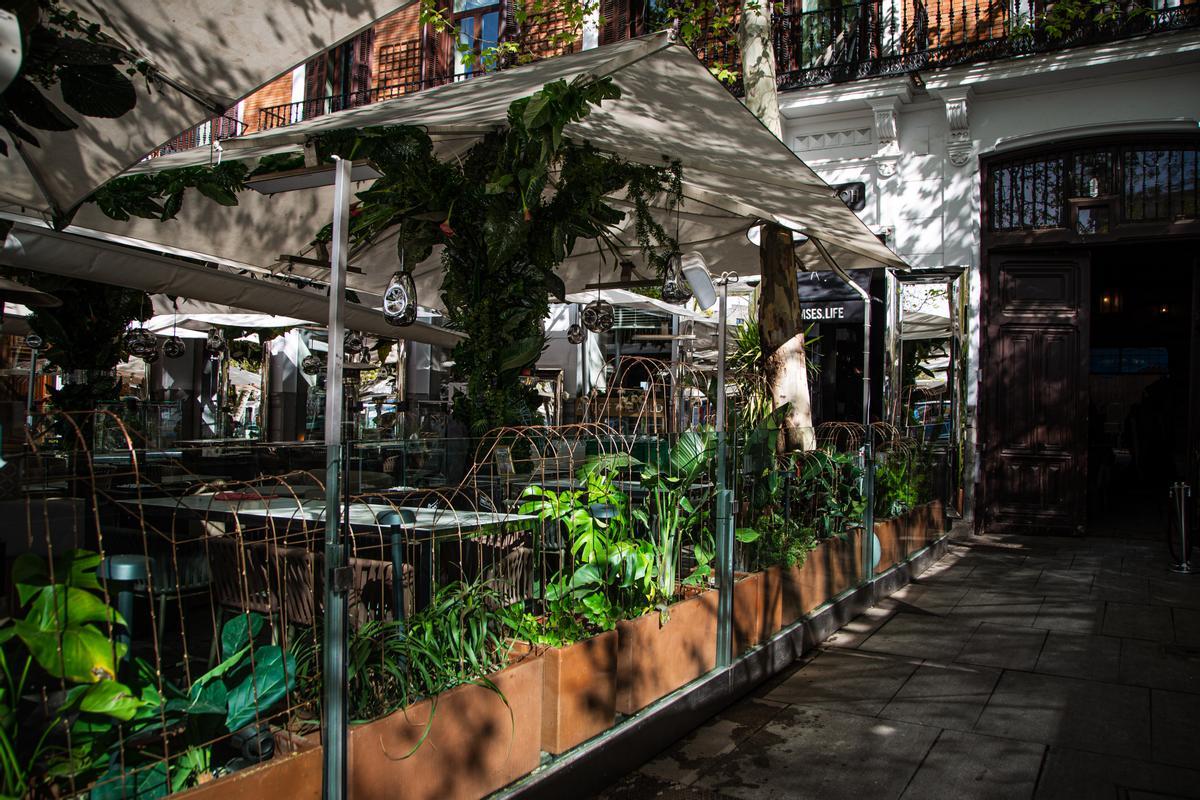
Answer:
[(824, 297)]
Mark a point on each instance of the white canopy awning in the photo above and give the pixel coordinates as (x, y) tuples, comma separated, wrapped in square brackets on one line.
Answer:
[(736, 173), (208, 55), (627, 299), (44, 250), (916, 325)]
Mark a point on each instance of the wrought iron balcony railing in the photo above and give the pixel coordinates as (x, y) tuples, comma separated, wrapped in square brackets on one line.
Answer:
[(864, 39), (204, 134), (894, 37)]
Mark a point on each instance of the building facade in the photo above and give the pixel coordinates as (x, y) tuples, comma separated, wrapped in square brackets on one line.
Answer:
[(1050, 160)]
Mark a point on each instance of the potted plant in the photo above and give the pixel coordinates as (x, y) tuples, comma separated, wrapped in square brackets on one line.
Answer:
[(659, 652), (436, 701)]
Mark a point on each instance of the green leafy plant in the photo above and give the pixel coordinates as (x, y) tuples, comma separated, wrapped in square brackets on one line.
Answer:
[(673, 512), (248, 684), (62, 637), (461, 637), (608, 573)]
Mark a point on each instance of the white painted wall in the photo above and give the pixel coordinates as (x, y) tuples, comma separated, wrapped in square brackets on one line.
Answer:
[(925, 184)]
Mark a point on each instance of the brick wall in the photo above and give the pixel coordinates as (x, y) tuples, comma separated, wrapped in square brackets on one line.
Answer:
[(396, 59), (276, 93)]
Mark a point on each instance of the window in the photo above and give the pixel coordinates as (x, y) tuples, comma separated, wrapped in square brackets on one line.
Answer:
[(1089, 190), (478, 24)]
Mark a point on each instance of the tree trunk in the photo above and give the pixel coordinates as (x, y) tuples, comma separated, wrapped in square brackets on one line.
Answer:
[(778, 300), (782, 340), (758, 63)]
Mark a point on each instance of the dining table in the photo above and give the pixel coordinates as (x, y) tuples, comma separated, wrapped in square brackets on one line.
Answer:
[(398, 525)]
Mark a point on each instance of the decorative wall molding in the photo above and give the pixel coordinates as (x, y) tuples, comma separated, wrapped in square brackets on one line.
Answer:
[(887, 133), (887, 123), (854, 137), (958, 124)]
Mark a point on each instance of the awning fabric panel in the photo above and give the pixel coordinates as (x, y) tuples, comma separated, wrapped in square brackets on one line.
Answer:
[(77, 257), (219, 50)]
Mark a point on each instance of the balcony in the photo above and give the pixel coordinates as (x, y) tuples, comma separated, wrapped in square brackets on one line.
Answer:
[(853, 41), (204, 135), (894, 37)]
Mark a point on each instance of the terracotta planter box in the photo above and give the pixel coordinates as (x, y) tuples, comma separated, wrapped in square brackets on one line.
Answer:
[(296, 777), (894, 538), (579, 691), (476, 744), (749, 624), (655, 658)]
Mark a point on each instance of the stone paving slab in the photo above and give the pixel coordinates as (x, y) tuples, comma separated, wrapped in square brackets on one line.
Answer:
[(1003, 646), (982, 767), (943, 695), (1074, 655), (850, 681), (1015, 667), (1086, 715), (821, 754), (919, 637), (1159, 666), (1136, 621)]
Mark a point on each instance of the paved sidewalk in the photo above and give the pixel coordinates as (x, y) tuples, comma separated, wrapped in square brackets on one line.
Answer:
[(1015, 667)]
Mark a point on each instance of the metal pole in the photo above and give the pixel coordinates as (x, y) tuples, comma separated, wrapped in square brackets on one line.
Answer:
[(1180, 492), (29, 393), (724, 500), (868, 439), (333, 717)]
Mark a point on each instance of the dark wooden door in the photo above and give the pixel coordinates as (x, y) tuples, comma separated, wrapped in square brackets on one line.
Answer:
[(1035, 375)]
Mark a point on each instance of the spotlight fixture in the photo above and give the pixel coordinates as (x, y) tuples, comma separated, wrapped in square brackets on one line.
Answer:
[(695, 271), (400, 300), (215, 345)]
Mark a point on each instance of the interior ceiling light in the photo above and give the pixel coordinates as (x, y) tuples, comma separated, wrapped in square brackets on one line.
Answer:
[(174, 347), (311, 365), (576, 333)]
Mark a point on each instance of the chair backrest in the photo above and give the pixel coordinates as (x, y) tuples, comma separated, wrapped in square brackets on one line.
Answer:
[(239, 574), (512, 576), (300, 585)]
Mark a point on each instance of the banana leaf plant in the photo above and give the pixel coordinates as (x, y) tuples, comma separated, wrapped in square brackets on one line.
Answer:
[(675, 507)]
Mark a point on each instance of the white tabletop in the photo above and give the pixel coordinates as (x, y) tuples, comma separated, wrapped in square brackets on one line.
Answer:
[(207, 502), (428, 520)]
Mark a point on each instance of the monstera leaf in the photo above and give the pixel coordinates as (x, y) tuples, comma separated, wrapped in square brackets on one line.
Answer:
[(273, 676)]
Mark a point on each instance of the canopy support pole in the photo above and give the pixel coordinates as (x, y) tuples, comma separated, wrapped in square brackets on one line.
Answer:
[(724, 497), (868, 443), (333, 716)]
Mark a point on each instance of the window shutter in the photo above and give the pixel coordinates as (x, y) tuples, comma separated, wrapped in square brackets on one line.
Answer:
[(437, 56), (316, 73), (360, 70), (614, 16)]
